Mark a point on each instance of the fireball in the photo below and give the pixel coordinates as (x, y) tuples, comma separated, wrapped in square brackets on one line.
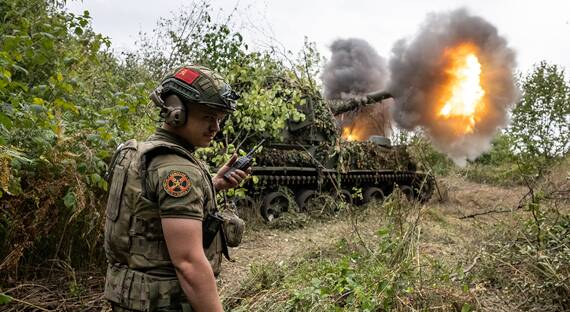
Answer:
[(462, 97)]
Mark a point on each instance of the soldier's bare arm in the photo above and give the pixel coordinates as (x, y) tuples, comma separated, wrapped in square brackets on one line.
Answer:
[(184, 241)]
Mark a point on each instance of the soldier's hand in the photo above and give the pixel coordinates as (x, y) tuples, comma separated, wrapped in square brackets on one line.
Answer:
[(235, 178)]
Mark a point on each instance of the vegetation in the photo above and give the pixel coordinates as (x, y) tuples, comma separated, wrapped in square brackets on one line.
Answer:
[(540, 130), (66, 103), (375, 274)]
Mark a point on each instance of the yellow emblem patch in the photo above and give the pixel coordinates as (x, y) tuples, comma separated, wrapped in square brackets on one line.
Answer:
[(177, 184)]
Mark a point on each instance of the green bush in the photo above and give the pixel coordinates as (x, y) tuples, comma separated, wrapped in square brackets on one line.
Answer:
[(65, 103)]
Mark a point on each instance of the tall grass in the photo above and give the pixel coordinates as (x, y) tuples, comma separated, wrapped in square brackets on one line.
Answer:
[(368, 272)]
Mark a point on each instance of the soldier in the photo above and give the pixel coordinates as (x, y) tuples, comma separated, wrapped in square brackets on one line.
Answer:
[(160, 258)]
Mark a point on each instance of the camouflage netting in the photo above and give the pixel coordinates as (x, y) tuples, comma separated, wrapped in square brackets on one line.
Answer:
[(370, 156), (272, 157), (350, 156), (320, 124), (325, 121)]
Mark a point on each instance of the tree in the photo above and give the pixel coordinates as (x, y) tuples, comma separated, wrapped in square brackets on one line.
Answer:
[(541, 120)]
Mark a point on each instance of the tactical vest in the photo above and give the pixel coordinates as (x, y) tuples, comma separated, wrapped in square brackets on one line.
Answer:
[(141, 275)]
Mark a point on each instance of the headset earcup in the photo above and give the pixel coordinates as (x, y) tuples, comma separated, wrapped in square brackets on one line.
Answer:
[(176, 111)]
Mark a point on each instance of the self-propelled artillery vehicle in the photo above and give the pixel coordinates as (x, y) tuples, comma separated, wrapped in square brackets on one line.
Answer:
[(312, 158)]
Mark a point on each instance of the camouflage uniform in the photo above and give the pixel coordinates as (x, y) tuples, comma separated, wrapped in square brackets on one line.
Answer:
[(153, 179)]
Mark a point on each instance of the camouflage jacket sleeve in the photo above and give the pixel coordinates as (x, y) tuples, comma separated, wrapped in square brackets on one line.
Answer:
[(179, 186)]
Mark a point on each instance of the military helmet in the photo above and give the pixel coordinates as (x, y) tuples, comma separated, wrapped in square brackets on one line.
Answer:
[(198, 84)]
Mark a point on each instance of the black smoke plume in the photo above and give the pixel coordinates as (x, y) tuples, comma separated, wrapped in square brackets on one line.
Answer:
[(355, 68), (416, 72)]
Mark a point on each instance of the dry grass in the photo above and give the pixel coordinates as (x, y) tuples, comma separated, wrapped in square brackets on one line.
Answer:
[(66, 292)]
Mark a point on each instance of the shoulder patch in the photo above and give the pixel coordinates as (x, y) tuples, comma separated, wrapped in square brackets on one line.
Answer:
[(177, 184)]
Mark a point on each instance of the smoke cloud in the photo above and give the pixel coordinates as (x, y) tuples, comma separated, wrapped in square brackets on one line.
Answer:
[(416, 73), (355, 68)]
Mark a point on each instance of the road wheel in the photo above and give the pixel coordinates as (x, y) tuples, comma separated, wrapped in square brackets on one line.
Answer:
[(345, 196), (273, 205), (372, 194), (424, 190), (303, 197), (408, 192)]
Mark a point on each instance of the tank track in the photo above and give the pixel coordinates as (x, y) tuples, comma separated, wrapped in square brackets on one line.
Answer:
[(278, 186)]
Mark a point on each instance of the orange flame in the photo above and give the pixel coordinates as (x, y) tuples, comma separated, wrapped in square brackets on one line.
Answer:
[(354, 132), (347, 134), (463, 96)]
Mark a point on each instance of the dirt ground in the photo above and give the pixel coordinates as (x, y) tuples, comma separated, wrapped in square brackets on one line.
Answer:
[(446, 231)]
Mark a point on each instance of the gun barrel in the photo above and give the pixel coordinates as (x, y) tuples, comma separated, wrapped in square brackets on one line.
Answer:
[(342, 106), (378, 96)]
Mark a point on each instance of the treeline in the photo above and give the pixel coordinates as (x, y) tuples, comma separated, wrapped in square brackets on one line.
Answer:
[(67, 100)]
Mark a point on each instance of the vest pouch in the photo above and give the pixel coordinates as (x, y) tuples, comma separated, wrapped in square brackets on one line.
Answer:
[(118, 170), (233, 228), (127, 288), (116, 192), (142, 292)]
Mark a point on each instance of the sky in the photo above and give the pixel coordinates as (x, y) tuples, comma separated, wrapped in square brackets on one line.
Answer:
[(536, 30)]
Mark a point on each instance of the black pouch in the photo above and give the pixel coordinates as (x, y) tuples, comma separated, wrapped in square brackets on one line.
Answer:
[(210, 228)]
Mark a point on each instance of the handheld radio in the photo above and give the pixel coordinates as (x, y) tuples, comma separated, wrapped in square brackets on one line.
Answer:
[(243, 162)]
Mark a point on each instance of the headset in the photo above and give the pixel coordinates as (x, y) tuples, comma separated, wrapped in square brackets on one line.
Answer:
[(172, 110)]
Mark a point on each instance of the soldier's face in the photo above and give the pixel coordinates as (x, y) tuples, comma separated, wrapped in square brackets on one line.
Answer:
[(201, 125)]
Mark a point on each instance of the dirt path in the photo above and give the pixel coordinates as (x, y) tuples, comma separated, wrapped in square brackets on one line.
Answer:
[(444, 234), (263, 246)]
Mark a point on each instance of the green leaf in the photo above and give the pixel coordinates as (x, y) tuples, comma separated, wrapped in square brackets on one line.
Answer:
[(69, 199), (5, 299), (5, 73), (38, 101), (5, 121), (66, 105), (20, 68), (466, 307)]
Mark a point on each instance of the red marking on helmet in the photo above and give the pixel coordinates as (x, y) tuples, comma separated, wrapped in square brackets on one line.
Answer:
[(187, 75)]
